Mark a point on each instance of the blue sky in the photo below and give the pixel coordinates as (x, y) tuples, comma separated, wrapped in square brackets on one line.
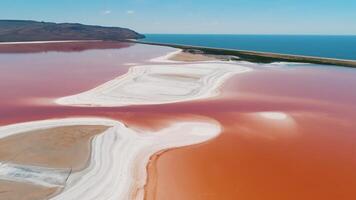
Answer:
[(332, 17)]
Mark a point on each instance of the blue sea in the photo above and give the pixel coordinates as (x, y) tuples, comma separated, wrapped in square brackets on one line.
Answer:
[(340, 47)]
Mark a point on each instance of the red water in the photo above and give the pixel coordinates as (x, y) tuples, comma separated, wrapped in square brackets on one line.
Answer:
[(309, 153), (27, 80)]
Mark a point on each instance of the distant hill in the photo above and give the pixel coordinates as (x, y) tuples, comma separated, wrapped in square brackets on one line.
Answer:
[(25, 30)]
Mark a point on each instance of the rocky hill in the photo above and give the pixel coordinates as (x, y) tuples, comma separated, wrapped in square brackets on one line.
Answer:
[(24, 30)]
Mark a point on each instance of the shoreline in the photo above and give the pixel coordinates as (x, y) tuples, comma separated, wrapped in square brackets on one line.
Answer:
[(175, 77), (69, 183), (48, 152), (256, 56), (242, 55), (119, 157), (158, 84)]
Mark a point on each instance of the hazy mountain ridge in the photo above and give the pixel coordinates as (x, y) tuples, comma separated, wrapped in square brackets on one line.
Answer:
[(26, 30)]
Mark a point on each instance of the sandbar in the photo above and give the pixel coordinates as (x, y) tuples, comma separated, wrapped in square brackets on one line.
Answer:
[(190, 57), (59, 147), (118, 158), (158, 84)]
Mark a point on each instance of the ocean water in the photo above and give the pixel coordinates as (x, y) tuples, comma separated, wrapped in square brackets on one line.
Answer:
[(340, 47)]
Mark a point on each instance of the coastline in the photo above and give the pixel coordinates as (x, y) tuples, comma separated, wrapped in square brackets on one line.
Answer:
[(243, 55), (255, 56)]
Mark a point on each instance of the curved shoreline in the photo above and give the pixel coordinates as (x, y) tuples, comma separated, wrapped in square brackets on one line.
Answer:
[(158, 84), (119, 157), (256, 56)]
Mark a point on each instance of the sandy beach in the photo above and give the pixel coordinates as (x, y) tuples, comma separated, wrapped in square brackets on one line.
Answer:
[(189, 57)]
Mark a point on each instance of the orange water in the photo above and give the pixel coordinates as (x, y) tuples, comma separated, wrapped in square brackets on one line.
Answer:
[(310, 154), (32, 76)]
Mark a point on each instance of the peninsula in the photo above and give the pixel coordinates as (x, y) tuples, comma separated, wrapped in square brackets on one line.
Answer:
[(27, 30)]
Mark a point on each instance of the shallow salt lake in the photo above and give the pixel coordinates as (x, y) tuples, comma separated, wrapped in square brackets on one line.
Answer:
[(288, 130)]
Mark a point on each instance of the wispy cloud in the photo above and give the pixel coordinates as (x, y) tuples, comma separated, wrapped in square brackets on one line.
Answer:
[(130, 12), (107, 12)]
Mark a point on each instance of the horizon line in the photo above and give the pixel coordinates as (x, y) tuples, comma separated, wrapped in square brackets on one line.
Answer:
[(265, 34)]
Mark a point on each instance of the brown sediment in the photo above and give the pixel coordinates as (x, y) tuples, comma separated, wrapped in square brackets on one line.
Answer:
[(151, 184), (191, 57), (23, 191), (178, 76), (61, 147)]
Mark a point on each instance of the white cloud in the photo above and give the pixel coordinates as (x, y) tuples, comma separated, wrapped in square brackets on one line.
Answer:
[(130, 12), (107, 12)]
